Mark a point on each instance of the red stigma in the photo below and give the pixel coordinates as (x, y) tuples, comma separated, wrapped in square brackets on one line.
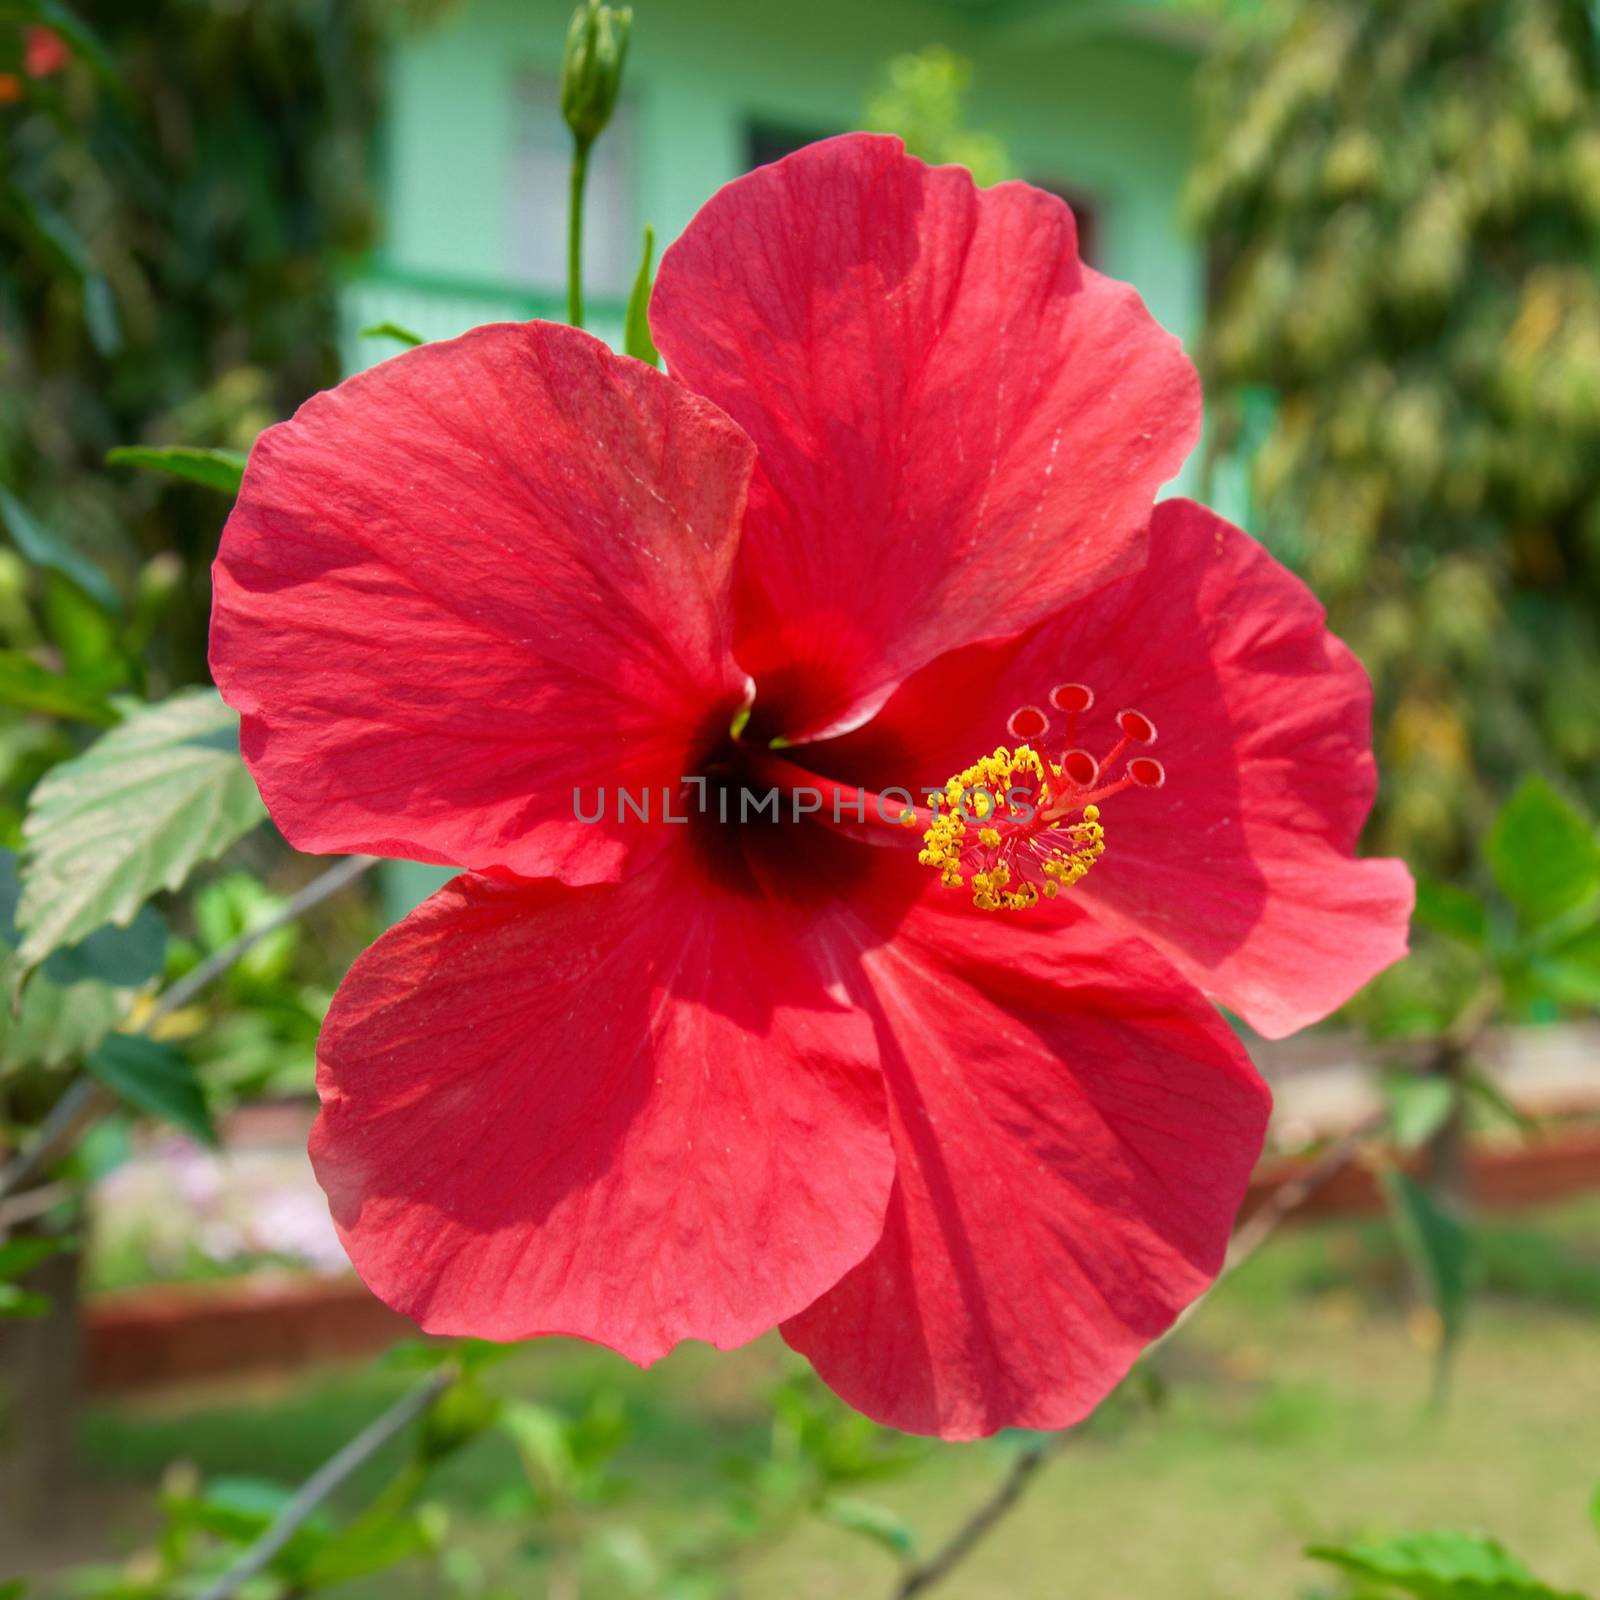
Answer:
[(1080, 768), (1071, 697), (1027, 723)]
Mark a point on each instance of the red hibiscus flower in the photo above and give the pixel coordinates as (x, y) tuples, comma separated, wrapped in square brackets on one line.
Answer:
[(951, 1106)]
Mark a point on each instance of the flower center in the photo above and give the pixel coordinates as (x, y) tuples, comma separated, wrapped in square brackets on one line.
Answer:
[(1019, 825)]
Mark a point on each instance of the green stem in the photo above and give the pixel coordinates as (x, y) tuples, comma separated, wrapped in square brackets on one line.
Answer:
[(580, 176)]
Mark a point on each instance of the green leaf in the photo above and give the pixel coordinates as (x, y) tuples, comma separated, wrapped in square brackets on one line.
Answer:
[(81, 993), (239, 1510), (46, 550), (1568, 971), (1418, 1106), (26, 686), (374, 1542), (157, 1079), (222, 470), (122, 958), (134, 814), (54, 1026), (1440, 1566), (16, 1304), (19, 1256), (540, 1436), (1439, 1248), (873, 1522), (455, 1419), (636, 338), (392, 330), (56, 237), (87, 636), (1543, 853), (1453, 911)]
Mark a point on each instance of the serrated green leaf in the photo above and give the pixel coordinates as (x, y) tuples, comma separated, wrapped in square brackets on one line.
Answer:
[(157, 1079), (222, 470), (27, 686), (1440, 1566), (1543, 853), (392, 330), (1418, 1106), (46, 550), (873, 1522), (134, 814), (636, 337), (1449, 909)]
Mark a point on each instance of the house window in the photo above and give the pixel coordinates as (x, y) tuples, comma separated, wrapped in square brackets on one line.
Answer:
[(541, 166), (767, 142)]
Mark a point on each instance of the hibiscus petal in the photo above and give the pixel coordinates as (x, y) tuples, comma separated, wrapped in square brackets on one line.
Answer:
[(624, 1112), (1074, 1128), (960, 426), (1239, 868), (465, 583)]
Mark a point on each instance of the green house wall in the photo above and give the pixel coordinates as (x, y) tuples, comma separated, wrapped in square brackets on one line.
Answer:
[(1084, 99), (1081, 101)]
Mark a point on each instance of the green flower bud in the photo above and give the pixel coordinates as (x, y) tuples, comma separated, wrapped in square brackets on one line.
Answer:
[(591, 70)]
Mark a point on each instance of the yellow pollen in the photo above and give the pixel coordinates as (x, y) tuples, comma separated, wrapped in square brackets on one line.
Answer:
[(1013, 787)]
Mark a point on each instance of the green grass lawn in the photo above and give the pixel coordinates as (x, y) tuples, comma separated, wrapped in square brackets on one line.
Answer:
[(1295, 1411)]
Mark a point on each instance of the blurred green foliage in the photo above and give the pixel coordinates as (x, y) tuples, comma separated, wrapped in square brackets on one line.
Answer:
[(1402, 201), (922, 98), (1436, 1566), (171, 238)]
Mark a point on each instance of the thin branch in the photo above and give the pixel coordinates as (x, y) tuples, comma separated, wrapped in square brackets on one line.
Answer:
[(327, 1478), (76, 1108), (1246, 1241), (1288, 1197), (85, 1102), (319, 889), (25, 1207), (938, 1566)]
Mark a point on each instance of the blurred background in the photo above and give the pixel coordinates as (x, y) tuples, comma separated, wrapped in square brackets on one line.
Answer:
[(1375, 224)]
